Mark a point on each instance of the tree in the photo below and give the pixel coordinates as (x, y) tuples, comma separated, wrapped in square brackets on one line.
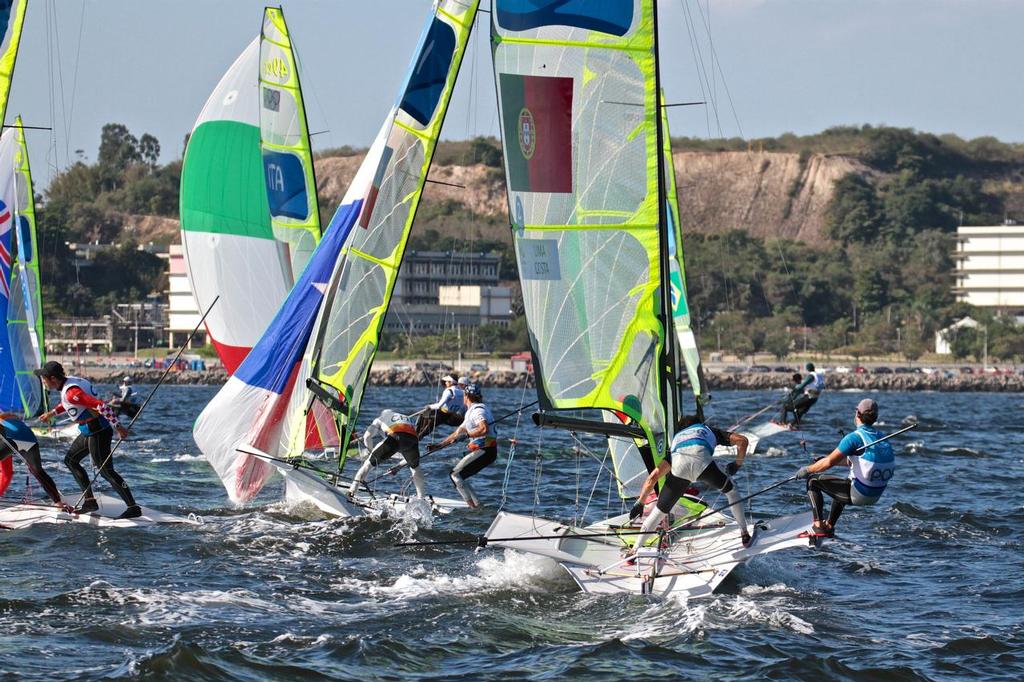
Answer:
[(149, 150), (853, 214)]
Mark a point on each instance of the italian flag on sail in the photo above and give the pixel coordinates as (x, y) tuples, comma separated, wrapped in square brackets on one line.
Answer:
[(537, 113)]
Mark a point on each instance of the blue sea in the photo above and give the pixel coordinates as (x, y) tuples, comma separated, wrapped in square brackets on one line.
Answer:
[(926, 585)]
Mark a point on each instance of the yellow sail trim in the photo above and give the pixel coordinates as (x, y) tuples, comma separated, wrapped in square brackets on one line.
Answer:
[(280, 86), (10, 56), (356, 365)]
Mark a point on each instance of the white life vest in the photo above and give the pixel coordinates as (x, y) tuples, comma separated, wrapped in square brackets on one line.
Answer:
[(77, 412), (477, 414), (817, 385), (698, 434), (871, 470)]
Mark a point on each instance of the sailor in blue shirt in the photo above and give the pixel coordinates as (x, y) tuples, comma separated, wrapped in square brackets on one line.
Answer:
[(447, 410), (871, 463)]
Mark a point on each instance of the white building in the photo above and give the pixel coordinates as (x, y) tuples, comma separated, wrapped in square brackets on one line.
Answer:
[(182, 312), (944, 337), (990, 267)]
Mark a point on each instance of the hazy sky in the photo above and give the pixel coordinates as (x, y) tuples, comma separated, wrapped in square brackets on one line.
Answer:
[(789, 65)]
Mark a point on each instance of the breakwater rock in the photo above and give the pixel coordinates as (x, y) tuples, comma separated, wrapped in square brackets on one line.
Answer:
[(936, 381)]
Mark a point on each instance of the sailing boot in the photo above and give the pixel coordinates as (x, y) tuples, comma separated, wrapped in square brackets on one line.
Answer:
[(88, 506), (360, 475), (737, 513), (132, 512), (419, 482)]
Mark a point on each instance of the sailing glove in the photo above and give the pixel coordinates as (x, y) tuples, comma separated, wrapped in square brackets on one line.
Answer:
[(637, 510), (802, 472)]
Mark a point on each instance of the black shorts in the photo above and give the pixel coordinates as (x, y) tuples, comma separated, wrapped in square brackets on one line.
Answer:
[(404, 443)]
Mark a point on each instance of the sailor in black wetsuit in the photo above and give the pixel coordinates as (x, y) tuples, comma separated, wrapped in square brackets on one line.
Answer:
[(18, 438), (95, 423)]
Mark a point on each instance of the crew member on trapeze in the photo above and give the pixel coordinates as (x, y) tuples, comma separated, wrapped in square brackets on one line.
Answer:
[(478, 425), (389, 433), (126, 400), (18, 438), (872, 465), (803, 396), (690, 459), (96, 423), (448, 409)]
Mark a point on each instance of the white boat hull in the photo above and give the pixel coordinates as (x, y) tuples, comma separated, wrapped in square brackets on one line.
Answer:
[(306, 487), (23, 516), (694, 565)]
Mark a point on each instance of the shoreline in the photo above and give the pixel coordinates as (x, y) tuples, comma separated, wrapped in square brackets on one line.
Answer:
[(960, 383)]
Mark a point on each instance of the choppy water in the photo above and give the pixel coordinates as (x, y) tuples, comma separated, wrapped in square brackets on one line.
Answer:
[(926, 585)]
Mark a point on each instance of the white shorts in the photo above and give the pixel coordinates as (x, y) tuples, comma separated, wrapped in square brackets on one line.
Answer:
[(689, 462)]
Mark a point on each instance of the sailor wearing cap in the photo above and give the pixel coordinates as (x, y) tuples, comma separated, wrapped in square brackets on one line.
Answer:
[(448, 409), (478, 425), (871, 463)]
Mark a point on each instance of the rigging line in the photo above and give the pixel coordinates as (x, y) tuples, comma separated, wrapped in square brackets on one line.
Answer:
[(789, 275), (721, 73), (51, 150), (60, 80), (442, 182), (700, 82), (512, 447), (597, 480), (710, 81), (74, 80), (701, 68)]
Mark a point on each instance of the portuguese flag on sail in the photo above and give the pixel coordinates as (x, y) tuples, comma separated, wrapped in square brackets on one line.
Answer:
[(537, 113)]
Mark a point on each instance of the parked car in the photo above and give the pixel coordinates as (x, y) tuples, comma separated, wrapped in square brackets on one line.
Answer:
[(841, 369), (401, 368), (733, 369), (758, 369), (782, 370), (882, 370), (966, 370), (860, 369), (478, 367), (908, 370)]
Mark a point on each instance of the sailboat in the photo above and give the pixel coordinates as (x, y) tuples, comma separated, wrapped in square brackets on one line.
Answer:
[(591, 196), (249, 213), (317, 352)]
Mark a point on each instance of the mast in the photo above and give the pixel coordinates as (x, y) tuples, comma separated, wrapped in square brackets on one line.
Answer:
[(668, 369)]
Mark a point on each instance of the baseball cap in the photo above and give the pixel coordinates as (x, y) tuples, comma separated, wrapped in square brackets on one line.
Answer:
[(867, 406), (50, 369), (473, 390)]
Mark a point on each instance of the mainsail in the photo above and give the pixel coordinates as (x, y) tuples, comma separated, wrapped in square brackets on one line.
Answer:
[(25, 309), (579, 103), (10, 396), (284, 140), (343, 294)]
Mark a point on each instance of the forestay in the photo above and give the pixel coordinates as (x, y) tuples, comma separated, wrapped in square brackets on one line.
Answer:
[(284, 139), (25, 310), (579, 108), (266, 405)]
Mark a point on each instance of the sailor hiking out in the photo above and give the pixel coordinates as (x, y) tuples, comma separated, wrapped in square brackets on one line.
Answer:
[(691, 460), (803, 396), (871, 463), (388, 434), (126, 399), (96, 422), (448, 409), (478, 425), (18, 438)]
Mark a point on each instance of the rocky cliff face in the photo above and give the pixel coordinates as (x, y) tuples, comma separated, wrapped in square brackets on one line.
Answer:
[(767, 194)]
